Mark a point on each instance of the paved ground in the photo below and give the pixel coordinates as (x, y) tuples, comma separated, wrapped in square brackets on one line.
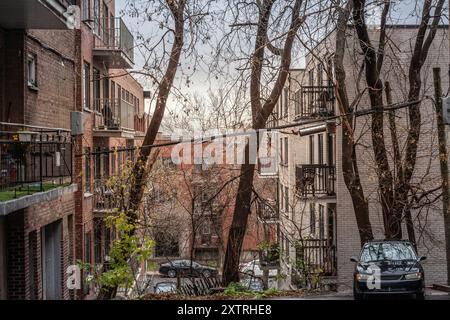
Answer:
[(429, 295)]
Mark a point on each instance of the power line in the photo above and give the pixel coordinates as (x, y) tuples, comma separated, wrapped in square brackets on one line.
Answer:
[(359, 113)]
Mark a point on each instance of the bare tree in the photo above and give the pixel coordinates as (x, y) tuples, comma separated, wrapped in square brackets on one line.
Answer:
[(350, 168), (394, 191), (261, 109), (181, 21)]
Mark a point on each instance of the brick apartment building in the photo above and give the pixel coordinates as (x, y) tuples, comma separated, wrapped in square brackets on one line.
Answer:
[(319, 223), (198, 225), (63, 92)]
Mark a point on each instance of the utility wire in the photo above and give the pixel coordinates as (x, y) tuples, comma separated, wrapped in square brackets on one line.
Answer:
[(251, 131)]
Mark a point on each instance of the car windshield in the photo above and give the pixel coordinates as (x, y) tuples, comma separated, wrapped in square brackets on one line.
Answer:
[(387, 251)]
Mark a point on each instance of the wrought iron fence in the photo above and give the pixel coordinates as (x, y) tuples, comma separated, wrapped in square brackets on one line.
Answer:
[(29, 160), (318, 255), (315, 101), (312, 179)]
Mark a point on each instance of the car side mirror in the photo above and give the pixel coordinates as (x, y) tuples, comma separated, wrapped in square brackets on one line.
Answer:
[(422, 258), (354, 259)]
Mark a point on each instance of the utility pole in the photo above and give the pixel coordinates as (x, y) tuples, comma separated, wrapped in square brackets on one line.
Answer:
[(443, 160)]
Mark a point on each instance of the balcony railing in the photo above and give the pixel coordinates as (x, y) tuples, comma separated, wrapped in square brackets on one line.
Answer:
[(116, 114), (315, 180), (315, 101), (104, 199), (113, 35), (33, 161), (318, 256), (267, 211)]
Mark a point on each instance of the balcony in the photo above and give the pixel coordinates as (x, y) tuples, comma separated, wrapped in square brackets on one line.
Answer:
[(267, 211), (34, 14), (33, 164), (113, 118), (113, 44), (315, 179), (315, 102), (104, 200)]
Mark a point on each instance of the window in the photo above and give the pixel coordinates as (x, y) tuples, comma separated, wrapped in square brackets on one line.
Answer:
[(113, 161), (105, 16), (87, 170), (286, 241), (87, 247), (32, 70), (286, 151), (286, 199), (106, 162), (119, 160), (311, 149), (330, 226), (85, 10), (320, 74), (98, 226), (286, 102), (321, 222), (86, 85), (297, 97), (97, 22), (330, 145), (312, 219), (97, 163), (96, 88), (320, 147), (281, 151), (311, 77), (281, 195)]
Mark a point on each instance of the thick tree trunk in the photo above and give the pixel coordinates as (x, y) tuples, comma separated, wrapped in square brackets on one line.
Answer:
[(349, 161), (239, 224), (140, 168), (391, 219), (260, 114)]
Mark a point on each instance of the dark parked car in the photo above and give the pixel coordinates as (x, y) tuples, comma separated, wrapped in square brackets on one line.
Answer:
[(186, 268), (388, 267)]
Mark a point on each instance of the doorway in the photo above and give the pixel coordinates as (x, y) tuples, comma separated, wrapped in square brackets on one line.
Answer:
[(51, 260)]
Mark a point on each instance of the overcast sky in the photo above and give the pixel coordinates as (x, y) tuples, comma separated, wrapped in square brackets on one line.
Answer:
[(402, 12)]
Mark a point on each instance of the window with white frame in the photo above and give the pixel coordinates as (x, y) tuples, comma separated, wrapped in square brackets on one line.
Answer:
[(32, 70)]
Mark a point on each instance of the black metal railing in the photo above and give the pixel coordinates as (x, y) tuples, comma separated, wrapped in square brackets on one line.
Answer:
[(267, 211), (113, 34), (104, 199), (315, 101), (313, 179), (32, 161), (317, 255)]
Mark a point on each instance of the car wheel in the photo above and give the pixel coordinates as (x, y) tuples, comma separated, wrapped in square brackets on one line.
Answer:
[(420, 295), (207, 274), (172, 273)]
